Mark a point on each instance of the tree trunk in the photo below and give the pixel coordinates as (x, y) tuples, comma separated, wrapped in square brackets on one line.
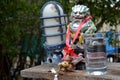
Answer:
[(4, 66)]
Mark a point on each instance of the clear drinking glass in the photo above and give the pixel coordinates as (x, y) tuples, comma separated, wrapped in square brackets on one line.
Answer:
[(95, 54)]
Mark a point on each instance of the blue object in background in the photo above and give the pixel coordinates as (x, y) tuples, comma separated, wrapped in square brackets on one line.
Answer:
[(109, 48)]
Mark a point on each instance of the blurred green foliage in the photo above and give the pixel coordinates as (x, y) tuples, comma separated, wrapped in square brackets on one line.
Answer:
[(18, 17), (103, 11)]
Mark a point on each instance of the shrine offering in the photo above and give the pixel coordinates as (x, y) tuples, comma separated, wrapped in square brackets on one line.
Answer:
[(81, 24)]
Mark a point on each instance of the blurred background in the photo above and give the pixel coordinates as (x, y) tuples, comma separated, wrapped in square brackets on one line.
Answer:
[(21, 44)]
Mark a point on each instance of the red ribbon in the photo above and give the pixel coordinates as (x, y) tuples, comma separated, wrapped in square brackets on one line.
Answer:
[(68, 49)]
